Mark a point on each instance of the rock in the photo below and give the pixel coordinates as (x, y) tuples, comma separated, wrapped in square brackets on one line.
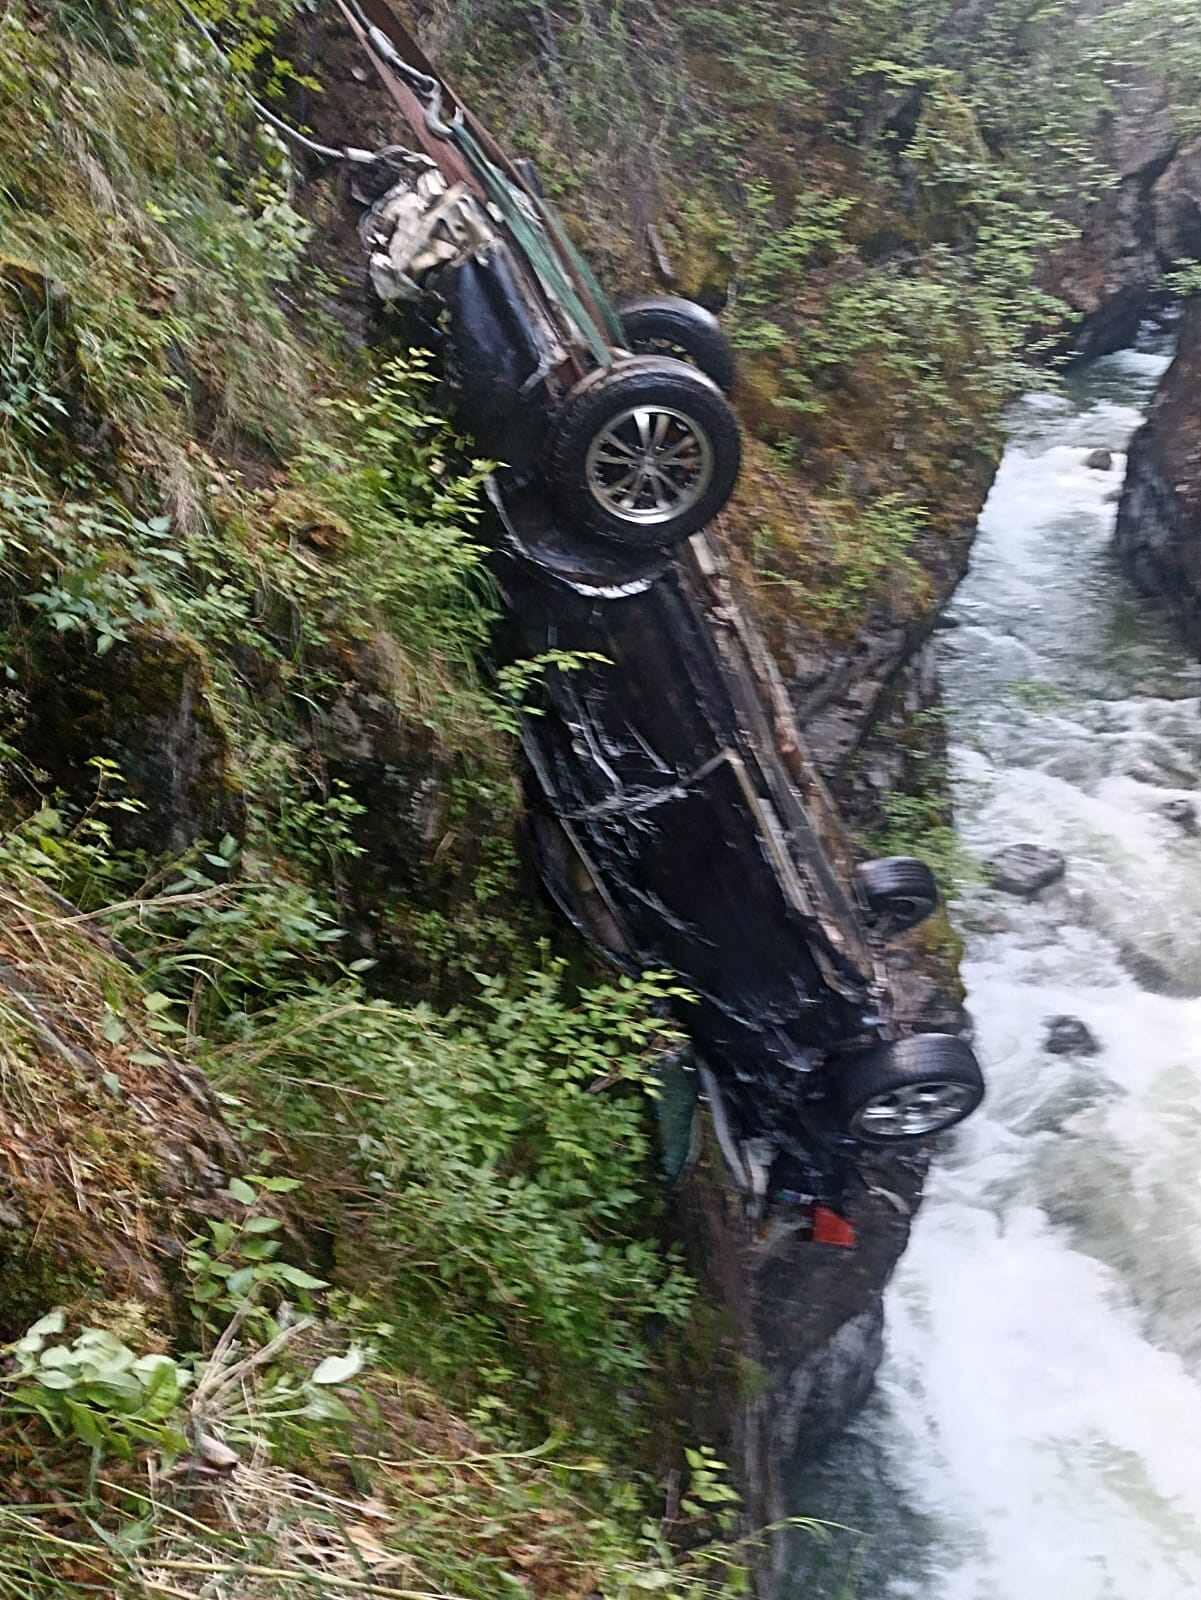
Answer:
[(1068, 1036), (151, 706), (1176, 207), (1026, 869), (1181, 812), (1157, 537), (1100, 460)]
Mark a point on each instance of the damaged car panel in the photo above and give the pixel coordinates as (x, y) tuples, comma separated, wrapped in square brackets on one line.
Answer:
[(679, 822), (625, 432)]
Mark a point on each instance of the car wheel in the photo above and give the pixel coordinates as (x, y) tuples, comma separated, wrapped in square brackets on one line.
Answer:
[(644, 453), (666, 325), (908, 1089), (899, 892)]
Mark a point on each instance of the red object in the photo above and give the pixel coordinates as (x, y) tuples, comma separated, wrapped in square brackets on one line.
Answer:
[(830, 1228)]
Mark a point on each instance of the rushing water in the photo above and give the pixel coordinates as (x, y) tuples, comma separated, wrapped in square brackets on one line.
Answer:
[(1036, 1433)]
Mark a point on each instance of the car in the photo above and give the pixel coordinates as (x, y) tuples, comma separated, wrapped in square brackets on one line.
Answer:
[(610, 422), (675, 816)]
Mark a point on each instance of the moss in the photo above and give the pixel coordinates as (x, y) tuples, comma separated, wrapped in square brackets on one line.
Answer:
[(150, 706), (35, 1276)]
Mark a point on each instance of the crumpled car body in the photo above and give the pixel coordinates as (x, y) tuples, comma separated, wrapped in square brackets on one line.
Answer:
[(617, 420), (676, 818), (679, 823)]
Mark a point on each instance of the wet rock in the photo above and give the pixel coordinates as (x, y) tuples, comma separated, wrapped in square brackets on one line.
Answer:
[(1026, 869), (1148, 221), (1158, 533), (1068, 1036), (150, 706), (1176, 206), (1099, 460), (1182, 812)]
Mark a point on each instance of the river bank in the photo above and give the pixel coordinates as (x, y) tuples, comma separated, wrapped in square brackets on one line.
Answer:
[(1052, 1273)]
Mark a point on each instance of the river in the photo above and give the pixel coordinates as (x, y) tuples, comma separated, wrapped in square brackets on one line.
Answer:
[(1036, 1430)]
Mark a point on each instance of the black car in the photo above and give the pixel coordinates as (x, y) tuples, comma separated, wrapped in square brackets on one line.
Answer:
[(676, 818), (679, 822)]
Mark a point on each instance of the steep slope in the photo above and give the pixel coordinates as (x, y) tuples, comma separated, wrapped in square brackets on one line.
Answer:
[(246, 733)]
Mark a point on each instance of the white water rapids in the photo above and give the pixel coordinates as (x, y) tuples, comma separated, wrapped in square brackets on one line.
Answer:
[(1036, 1431)]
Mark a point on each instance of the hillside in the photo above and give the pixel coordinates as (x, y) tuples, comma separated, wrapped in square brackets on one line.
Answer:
[(336, 1256)]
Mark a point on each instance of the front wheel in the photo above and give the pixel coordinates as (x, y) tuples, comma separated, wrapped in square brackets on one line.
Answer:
[(644, 454), (908, 1089)]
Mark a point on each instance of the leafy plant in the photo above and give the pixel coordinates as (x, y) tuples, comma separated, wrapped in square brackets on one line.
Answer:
[(236, 1260), (96, 1389), (499, 1154)]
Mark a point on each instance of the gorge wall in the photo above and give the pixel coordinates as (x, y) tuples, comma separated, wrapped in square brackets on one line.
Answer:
[(1158, 536)]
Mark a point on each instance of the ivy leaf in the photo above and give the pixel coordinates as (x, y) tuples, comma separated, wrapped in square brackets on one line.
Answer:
[(340, 1369), (262, 1225)]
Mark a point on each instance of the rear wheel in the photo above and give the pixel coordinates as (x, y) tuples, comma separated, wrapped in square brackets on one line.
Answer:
[(908, 1089), (667, 325), (899, 891), (645, 454)]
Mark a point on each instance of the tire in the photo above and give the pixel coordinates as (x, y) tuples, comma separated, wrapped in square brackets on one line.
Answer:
[(910, 1089), (899, 891), (614, 418), (666, 325)]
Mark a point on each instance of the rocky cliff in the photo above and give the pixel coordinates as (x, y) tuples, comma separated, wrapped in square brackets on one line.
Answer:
[(1147, 221), (1158, 536)]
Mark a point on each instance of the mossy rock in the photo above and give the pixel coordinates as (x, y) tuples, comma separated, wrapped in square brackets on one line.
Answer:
[(149, 706)]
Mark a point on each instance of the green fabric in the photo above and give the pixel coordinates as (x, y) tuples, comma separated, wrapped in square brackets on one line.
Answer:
[(531, 236)]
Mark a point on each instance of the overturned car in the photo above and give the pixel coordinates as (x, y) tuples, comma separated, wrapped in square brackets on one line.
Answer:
[(675, 816)]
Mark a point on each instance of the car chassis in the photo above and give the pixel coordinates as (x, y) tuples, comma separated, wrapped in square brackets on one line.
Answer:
[(674, 814)]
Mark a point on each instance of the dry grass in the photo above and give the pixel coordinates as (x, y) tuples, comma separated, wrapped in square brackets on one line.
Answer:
[(104, 1134)]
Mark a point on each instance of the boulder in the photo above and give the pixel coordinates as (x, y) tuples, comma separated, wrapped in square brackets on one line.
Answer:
[(1099, 460), (1068, 1036), (1176, 206), (1025, 869)]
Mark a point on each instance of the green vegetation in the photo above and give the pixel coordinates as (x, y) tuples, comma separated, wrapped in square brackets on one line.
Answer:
[(331, 1257)]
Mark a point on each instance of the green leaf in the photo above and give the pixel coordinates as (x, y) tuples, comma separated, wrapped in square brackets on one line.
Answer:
[(262, 1225), (299, 1279), (278, 1185), (259, 1249), (155, 1001), (238, 1282), (241, 1191), (84, 1422), (49, 1378), (53, 1322)]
